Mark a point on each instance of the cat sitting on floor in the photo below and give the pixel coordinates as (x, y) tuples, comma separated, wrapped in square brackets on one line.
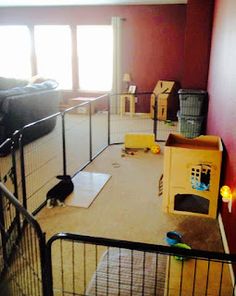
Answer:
[(58, 193)]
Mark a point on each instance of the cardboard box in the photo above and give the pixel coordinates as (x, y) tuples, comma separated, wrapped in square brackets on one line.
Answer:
[(192, 175), (167, 100)]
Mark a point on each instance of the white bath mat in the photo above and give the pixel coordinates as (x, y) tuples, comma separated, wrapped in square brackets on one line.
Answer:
[(86, 188)]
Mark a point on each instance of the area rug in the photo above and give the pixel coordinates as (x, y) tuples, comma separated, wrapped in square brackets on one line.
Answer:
[(124, 272), (87, 186)]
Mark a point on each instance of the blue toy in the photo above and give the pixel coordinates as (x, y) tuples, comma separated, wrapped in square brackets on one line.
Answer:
[(173, 238)]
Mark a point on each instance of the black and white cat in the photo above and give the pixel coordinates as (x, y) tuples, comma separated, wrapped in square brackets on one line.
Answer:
[(58, 193)]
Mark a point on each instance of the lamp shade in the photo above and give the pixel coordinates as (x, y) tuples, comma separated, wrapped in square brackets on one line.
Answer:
[(126, 77)]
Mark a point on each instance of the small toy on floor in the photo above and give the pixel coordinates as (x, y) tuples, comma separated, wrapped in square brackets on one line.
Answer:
[(146, 150), (182, 246), (57, 194), (126, 151), (169, 122), (156, 149), (174, 239)]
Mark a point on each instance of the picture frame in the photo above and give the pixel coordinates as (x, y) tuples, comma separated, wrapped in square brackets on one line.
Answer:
[(132, 89)]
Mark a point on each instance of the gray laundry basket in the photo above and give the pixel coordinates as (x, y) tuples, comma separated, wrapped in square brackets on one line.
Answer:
[(191, 101), (190, 126)]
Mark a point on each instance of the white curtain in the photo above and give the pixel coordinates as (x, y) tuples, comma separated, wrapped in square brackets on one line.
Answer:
[(117, 71)]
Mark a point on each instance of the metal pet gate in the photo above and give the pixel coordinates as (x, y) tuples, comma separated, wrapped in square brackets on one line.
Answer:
[(23, 262), (70, 264)]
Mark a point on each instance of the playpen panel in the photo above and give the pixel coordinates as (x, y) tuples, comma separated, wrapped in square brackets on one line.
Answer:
[(21, 250), (140, 122), (73, 265), (43, 161), (81, 268), (96, 266), (99, 125), (83, 265), (77, 146), (198, 277)]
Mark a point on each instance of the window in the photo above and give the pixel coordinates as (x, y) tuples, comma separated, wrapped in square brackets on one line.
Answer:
[(95, 57), (15, 52), (53, 53)]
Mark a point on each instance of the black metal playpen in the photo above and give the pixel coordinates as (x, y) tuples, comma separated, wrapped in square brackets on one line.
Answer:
[(72, 264)]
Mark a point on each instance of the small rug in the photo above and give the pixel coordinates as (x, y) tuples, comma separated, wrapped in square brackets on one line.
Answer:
[(124, 272), (86, 188)]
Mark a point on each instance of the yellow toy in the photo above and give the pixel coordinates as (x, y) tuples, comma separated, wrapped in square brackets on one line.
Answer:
[(142, 141), (156, 149), (139, 141)]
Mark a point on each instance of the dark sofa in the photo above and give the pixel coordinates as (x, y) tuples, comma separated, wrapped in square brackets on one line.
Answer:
[(22, 103)]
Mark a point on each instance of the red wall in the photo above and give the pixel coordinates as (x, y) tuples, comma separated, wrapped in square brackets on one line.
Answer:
[(197, 43), (153, 36), (222, 99)]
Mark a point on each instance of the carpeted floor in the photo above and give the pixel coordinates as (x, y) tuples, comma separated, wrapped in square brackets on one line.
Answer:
[(129, 207), (125, 272)]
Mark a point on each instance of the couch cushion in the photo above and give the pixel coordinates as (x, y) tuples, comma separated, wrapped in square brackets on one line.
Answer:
[(45, 85), (6, 83), (29, 88)]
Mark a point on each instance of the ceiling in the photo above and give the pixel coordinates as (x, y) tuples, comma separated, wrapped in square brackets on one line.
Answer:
[(14, 3)]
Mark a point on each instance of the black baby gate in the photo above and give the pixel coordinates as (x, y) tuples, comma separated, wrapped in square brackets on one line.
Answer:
[(23, 263), (71, 264)]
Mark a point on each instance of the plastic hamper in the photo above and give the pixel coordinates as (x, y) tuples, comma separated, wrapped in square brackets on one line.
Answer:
[(191, 101), (190, 126)]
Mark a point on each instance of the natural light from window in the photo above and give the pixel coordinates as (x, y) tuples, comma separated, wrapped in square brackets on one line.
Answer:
[(53, 53), (95, 57), (15, 52)]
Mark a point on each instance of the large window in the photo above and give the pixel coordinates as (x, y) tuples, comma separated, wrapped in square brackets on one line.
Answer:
[(15, 52), (53, 53), (95, 52)]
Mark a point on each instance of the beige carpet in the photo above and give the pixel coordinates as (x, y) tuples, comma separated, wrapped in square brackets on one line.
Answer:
[(125, 272), (129, 207)]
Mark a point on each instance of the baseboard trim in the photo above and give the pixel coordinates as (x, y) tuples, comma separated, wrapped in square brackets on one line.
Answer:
[(226, 247)]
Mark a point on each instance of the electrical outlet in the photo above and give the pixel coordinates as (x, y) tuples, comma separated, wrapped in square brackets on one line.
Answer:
[(136, 100)]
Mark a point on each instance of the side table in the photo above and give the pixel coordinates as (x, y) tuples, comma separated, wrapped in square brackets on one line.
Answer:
[(131, 99)]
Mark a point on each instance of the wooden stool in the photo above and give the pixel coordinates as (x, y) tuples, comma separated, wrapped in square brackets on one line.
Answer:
[(131, 99)]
